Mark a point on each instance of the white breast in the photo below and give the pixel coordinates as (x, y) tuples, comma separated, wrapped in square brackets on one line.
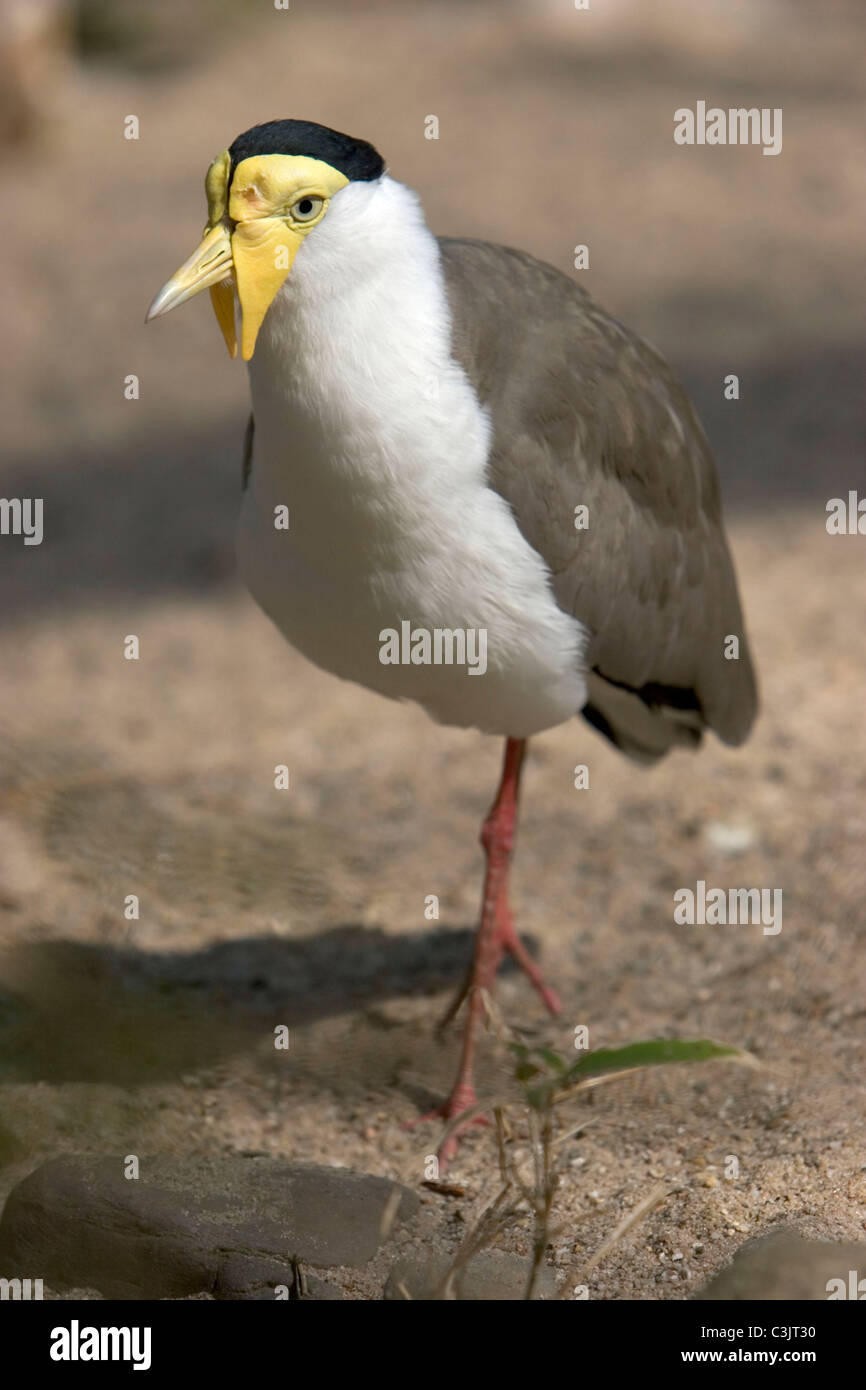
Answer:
[(371, 435)]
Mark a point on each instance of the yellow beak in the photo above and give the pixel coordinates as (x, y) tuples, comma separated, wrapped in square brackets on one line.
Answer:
[(256, 258), (209, 267)]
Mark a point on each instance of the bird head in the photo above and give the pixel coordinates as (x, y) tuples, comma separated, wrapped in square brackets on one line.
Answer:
[(266, 194)]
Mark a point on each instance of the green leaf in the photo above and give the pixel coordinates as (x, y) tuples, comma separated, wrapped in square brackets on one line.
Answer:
[(553, 1059), (655, 1052), (524, 1069)]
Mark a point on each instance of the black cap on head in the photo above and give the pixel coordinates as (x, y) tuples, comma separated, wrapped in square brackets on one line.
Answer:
[(354, 158)]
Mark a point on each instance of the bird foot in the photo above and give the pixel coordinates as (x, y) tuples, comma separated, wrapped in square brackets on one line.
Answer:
[(461, 1099), (514, 946), (506, 940)]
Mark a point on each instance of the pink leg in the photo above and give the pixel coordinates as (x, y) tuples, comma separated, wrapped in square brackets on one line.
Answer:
[(495, 936)]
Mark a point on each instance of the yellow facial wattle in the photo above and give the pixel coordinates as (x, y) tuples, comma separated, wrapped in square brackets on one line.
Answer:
[(256, 226)]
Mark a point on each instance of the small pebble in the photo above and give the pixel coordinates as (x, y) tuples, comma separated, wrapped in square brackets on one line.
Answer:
[(729, 838)]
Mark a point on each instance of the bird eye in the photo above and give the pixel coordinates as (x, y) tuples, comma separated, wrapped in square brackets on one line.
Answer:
[(305, 209)]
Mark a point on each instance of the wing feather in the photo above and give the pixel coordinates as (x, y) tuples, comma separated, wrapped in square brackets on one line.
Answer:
[(587, 413)]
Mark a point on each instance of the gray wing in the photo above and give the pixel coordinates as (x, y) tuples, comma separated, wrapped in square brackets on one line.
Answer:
[(586, 413)]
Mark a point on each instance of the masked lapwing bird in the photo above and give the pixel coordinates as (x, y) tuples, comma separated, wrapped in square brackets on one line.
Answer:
[(502, 505)]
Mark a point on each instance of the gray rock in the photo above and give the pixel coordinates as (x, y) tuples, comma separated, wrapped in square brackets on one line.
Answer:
[(782, 1265), (228, 1224), (490, 1276), (251, 1277)]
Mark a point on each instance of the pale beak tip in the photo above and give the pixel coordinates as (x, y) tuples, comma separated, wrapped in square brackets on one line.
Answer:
[(158, 306)]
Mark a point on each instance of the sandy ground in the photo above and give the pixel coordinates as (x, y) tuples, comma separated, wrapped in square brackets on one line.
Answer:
[(306, 906)]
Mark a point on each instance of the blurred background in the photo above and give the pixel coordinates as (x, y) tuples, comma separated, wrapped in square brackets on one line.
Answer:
[(155, 777)]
